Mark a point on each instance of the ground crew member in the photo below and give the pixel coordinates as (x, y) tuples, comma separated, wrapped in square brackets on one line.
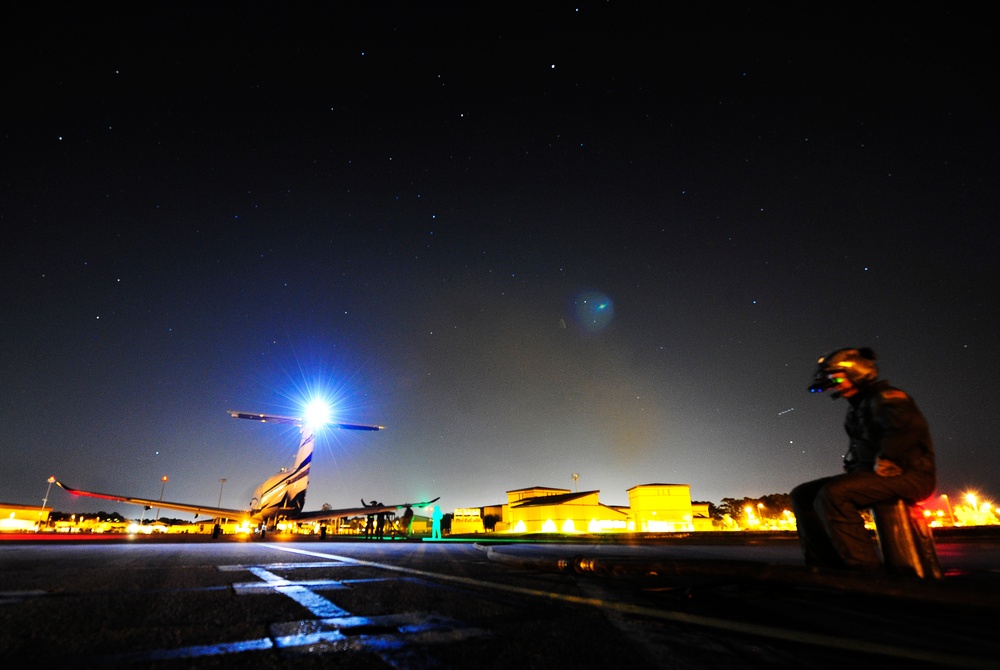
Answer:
[(890, 456)]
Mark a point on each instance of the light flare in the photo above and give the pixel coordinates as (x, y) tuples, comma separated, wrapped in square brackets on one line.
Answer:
[(318, 412)]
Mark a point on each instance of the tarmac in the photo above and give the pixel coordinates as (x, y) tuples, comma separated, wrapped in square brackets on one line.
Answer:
[(700, 600)]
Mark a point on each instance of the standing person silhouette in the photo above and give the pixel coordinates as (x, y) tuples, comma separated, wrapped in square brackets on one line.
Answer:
[(436, 523), (370, 519), (406, 522)]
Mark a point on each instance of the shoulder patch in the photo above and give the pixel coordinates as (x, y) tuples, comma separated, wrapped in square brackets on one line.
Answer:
[(894, 394)]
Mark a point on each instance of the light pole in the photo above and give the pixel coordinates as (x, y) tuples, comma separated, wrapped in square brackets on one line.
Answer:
[(948, 504), (575, 487), (222, 482), (162, 486), (45, 501)]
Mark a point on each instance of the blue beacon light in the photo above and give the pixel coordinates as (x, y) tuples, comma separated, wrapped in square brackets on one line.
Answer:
[(318, 413)]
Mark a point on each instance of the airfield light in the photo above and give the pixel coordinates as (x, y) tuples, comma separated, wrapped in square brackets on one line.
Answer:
[(971, 499), (318, 413)]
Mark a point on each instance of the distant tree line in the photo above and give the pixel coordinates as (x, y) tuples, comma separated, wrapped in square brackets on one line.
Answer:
[(769, 506)]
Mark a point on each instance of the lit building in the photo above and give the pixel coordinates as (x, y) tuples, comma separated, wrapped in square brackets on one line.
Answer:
[(467, 520), (22, 518), (547, 510), (661, 508), (653, 508), (701, 518)]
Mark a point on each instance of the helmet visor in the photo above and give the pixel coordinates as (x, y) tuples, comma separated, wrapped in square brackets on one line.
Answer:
[(824, 380)]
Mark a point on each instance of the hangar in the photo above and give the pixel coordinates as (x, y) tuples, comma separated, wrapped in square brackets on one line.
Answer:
[(22, 518), (653, 508)]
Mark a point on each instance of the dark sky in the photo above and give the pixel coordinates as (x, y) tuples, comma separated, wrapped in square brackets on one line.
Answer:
[(538, 239)]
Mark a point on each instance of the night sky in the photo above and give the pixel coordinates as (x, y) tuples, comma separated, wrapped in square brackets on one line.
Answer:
[(532, 240)]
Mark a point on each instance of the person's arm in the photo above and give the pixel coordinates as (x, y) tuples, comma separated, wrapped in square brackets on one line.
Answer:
[(901, 429)]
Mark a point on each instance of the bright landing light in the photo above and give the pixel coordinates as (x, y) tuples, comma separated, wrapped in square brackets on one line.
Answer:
[(318, 413)]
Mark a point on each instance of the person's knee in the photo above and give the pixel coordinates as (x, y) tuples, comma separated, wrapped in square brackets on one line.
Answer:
[(831, 498), (838, 497)]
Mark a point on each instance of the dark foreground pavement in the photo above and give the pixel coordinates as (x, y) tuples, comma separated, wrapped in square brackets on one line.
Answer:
[(707, 601)]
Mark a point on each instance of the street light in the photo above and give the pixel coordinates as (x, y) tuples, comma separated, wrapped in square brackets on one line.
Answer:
[(948, 504), (971, 499), (45, 501), (222, 482), (162, 486)]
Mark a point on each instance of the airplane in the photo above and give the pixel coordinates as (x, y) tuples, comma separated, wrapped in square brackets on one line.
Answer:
[(283, 495)]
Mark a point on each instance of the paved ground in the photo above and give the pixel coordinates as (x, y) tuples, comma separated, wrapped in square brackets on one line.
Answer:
[(192, 603)]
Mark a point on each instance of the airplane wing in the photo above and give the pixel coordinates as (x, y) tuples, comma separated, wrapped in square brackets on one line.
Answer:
[(327, 514), (199, 510), (297, 421)]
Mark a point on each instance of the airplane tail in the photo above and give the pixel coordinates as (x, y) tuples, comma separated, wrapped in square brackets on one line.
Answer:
[(295, 497), (284, 494)]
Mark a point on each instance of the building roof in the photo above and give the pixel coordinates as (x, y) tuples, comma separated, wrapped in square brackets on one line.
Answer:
[(532, 488), (560, 499), (27, 507), (639, 486)]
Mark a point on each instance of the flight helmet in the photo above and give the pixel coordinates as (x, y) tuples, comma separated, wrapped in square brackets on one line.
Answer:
[(856, 365)]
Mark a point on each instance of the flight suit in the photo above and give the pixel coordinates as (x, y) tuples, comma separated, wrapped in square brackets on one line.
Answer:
[(883, 422)]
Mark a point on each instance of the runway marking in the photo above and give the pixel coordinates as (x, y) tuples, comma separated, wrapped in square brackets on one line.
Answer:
[(384, 635), (395, 638), (197, 651), (282, 566), (245, 588), (315, 603), (815, 639)]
